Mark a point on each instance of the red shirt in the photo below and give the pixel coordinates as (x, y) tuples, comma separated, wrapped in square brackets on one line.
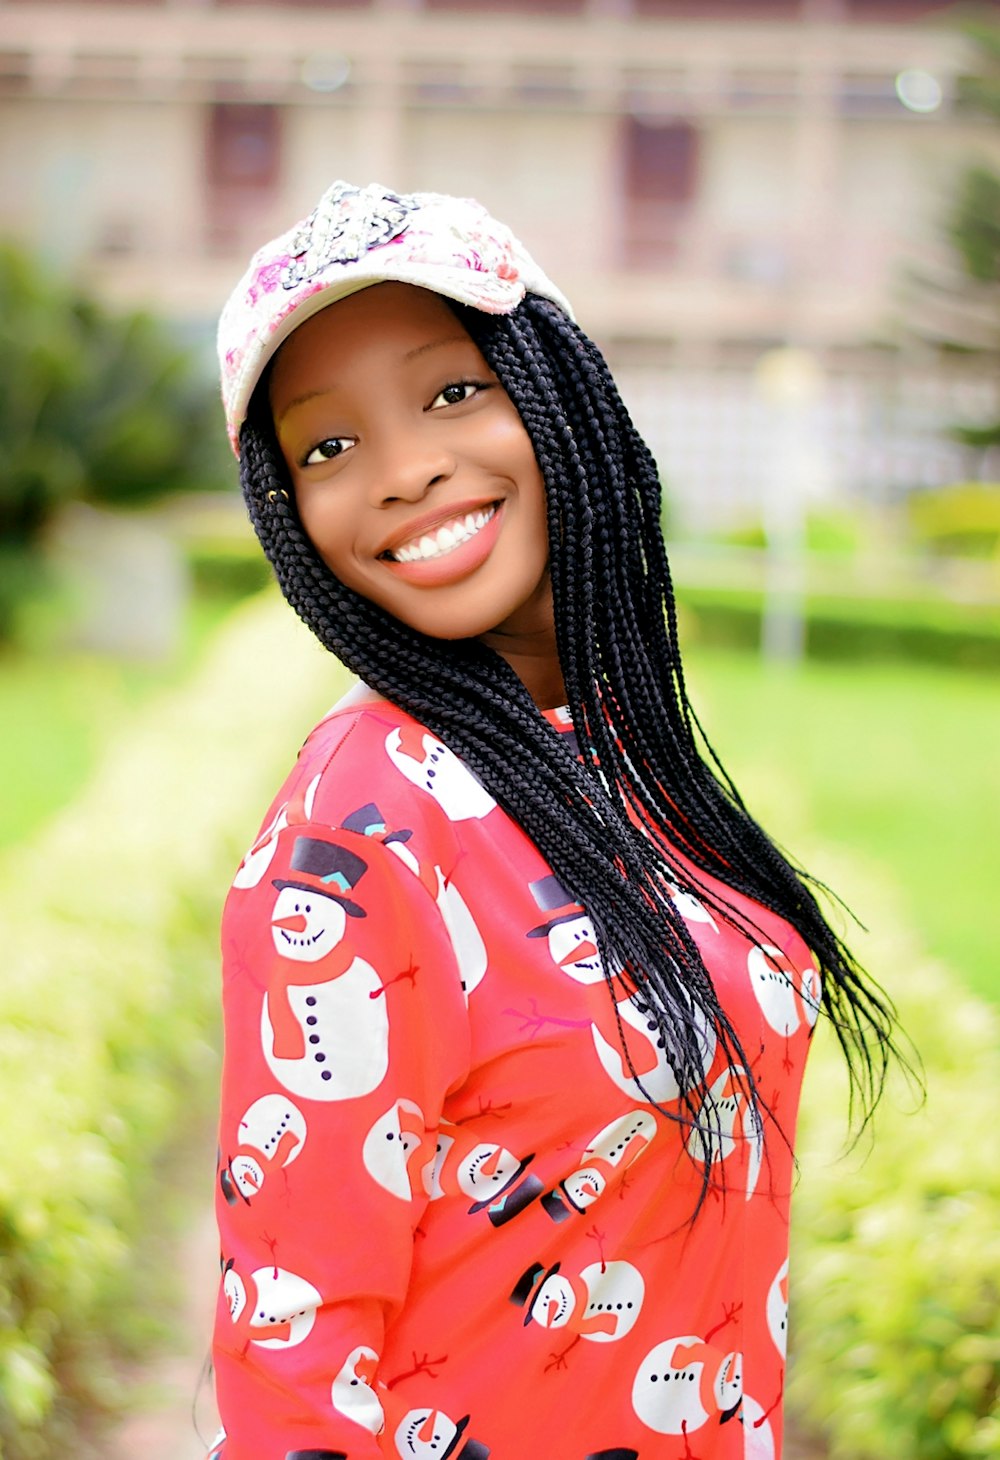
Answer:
[(452, 1224)]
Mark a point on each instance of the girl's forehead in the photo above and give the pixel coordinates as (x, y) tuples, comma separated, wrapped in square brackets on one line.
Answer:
[(387, 311), (384, 323)]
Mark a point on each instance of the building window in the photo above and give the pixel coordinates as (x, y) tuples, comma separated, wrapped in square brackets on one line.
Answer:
[(296, 4), (531, 7), (242, 167), (660, 183), (717, 9), (892, 9)]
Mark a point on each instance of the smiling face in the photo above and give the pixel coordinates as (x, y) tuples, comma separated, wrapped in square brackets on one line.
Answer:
[(573, 946), (306, 926), (413, 474)]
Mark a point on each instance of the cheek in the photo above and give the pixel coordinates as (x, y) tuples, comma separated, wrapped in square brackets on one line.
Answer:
[(329, 525)]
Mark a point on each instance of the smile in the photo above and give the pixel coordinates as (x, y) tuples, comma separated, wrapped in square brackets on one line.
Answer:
[(300, 942), (448, 537)]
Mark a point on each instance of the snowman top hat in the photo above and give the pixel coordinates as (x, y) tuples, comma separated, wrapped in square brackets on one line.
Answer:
[(328, 869), (550, 895)]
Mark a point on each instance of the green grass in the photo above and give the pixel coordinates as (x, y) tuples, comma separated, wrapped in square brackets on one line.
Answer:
[(57, 712), (896, 761)]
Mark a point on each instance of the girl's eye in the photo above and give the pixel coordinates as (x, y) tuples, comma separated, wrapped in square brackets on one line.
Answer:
[(328, 450), (453, 395)]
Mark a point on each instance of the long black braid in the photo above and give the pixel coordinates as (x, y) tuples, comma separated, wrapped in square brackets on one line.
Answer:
[(641, 745)]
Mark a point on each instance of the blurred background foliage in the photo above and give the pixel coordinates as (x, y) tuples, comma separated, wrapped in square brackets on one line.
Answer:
[(95, 406), (134, 782)]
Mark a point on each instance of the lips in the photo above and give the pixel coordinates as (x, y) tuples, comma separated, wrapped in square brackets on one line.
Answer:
[(411, 534), (445, 539), (446, 548)]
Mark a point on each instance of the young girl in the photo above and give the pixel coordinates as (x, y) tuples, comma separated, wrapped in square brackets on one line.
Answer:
[(517, 994)]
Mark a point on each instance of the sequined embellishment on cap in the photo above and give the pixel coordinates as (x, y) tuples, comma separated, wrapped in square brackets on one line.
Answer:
[(344, 225)]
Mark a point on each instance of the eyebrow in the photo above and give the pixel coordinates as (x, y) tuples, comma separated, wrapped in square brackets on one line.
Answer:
[(414, 354)]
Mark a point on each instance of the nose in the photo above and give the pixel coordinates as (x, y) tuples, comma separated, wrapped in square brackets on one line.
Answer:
[(579, 952), (294, 923), (411, 460)]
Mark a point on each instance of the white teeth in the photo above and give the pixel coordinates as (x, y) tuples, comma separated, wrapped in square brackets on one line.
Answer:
[(448, 537)]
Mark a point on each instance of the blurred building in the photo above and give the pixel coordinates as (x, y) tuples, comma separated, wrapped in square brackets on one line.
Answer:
[(707, 180)]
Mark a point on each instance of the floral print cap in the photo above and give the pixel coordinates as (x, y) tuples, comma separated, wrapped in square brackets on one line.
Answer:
[(356, 237)]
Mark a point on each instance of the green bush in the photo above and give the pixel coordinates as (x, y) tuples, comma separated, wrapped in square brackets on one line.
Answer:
[(895, 1325), (228, 567), (108, 1000), (963, 519), (94, 405), (838, 532), (938, 632)]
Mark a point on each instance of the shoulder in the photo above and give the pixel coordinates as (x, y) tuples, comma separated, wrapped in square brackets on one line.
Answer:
[(371, 768)]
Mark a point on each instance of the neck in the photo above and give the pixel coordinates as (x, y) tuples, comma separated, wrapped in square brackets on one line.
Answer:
[(527, 641), (538, 671)]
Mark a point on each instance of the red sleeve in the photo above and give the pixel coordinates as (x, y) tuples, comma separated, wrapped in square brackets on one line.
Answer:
[(345, 1027)]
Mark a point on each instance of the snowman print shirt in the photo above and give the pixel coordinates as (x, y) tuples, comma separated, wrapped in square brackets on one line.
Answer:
[(453, 1226)]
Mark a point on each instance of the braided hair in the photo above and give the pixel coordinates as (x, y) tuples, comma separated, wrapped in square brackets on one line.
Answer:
[(646, 779)]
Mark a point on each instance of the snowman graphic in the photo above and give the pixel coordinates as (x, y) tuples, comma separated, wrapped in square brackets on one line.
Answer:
[(368, 821), (398, 1150), (777, 1308), (568, 931), (684, 1383), (352, 1393), (271, 1135), (429, 764), (260, 856), (324, 1027), (627, 1039), (758, 1436), (429, 1434), (691, 908), (645, 1072), (466, 939), (272, 1308), (726, 1123), (487, 1174), (605, 1161), (601, 1304), (789, 998)]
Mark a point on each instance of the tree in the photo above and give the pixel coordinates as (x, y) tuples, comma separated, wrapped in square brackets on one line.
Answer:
[(956, 308), (94, 405)]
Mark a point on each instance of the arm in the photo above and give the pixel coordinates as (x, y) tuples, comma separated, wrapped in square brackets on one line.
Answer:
[(345, 1027)]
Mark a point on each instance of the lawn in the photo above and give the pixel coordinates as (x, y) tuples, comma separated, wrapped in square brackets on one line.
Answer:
[(896, 760), (58, 711)]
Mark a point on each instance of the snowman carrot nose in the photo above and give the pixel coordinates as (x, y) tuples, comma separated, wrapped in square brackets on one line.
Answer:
[(365, 1369), (489, 1166), (426, 1431), (294, 923), (578, 952)]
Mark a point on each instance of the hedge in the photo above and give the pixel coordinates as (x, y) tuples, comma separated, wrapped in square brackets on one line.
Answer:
[(108, 1004), (895, 1304), (941, 632), (108, 1035)]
